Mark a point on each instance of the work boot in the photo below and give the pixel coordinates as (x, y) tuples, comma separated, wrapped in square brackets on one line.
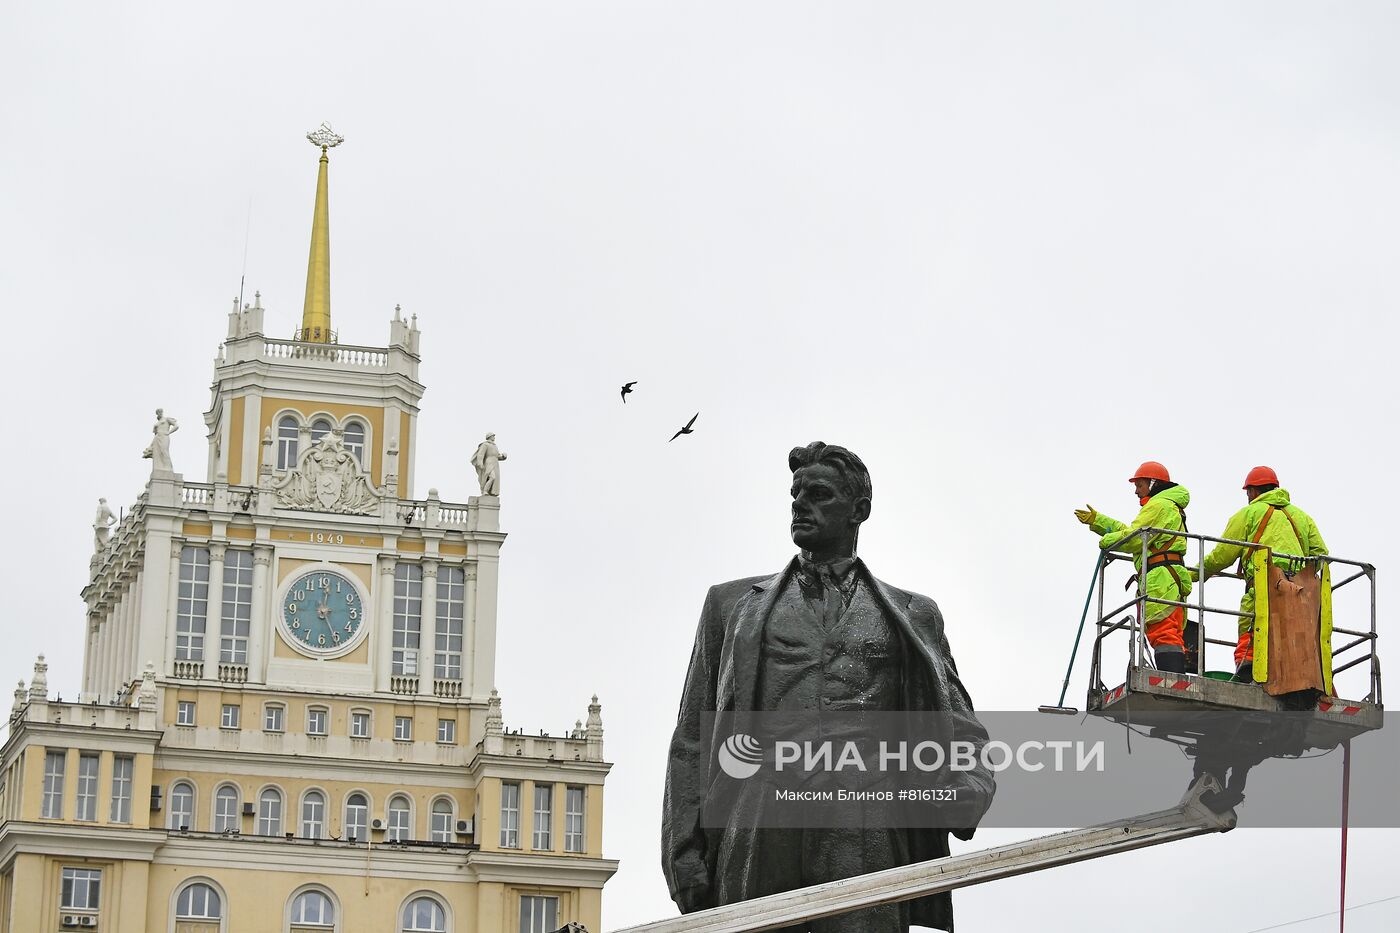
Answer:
[(1244, 674), (1170, 662)]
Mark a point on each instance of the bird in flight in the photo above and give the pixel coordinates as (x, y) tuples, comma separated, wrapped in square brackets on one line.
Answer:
[(687, 429), (626, 391)]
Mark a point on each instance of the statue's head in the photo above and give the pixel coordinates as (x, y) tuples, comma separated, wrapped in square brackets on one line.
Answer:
[(160, 413), (490, 437), (101, 500), (830, 498)]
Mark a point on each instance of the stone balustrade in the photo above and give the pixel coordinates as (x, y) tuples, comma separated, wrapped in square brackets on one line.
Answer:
[(338, 354)]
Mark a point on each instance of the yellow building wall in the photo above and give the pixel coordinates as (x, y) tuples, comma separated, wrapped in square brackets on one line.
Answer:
[(234, 455)]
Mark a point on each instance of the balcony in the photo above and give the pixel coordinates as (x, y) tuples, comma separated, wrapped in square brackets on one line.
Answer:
[(402, 683), (188, 670), (233, 673), (447, 688)]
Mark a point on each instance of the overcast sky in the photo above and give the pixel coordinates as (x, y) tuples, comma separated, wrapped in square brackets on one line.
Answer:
[(1003, 251)]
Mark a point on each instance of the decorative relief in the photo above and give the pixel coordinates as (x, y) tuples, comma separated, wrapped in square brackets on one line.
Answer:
[(327, 478)]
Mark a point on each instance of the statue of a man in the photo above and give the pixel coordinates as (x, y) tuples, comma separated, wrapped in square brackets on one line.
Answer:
[(159, 450), (487, 462), (105, 520), (823, 634)]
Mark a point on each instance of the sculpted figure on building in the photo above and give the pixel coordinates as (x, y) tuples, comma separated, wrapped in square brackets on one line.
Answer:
[(105, 519), (158, 452), (487, 462), (328, 478)]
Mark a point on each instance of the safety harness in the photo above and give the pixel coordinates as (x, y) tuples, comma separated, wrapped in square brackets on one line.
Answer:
[(1259, 533)]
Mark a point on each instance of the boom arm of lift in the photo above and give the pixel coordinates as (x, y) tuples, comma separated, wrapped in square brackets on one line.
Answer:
[(1192, 817)]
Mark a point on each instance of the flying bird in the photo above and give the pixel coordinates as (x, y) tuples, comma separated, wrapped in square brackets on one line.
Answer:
[(687, 429), (626, 391)]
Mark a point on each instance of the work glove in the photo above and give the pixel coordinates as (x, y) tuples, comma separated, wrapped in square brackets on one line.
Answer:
[(1086, 515)]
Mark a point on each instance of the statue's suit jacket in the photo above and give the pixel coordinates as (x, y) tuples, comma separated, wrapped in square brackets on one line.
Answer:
[(723, 677)]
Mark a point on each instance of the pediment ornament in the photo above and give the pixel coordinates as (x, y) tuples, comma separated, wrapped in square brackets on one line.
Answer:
[(328, 478)]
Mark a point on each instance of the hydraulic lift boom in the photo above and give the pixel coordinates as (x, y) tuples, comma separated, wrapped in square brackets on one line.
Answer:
[(1192, 817)]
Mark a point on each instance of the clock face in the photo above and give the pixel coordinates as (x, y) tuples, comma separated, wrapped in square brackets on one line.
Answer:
[(322, 612)]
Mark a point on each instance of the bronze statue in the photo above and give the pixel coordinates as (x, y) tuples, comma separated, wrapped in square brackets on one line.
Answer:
[(823, 634)]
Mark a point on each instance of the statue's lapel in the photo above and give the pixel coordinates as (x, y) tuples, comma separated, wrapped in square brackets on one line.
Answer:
[(750, 618)]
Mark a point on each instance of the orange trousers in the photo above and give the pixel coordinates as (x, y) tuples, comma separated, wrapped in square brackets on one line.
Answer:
[(1166, 633), (1244, 648)]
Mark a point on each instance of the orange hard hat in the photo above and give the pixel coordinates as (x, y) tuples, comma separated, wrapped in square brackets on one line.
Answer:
[(1261, 476), (1151, 470)]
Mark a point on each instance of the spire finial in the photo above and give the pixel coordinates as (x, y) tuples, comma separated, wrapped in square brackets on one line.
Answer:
[(316, 313)]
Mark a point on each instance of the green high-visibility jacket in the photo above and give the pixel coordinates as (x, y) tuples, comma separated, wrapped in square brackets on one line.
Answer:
[(1164, 510), (1279, 537)]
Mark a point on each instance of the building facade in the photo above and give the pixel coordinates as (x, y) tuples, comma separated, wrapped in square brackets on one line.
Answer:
[(288, 720)]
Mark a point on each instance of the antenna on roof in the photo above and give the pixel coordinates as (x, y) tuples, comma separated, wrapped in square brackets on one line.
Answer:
[(247, 231)]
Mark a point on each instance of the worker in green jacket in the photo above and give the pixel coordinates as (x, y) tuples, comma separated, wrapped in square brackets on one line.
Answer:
[(1163, 506), (1272, 521)]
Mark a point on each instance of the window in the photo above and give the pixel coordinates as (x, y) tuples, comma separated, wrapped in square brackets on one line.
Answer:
[(312, 908), (184, 713), (573, 819), (451, 598), (316, 720), (181, 805), (359, 724), (226, 810), (274, 718), (510, 815), (544, 815), (192, 604), (403, 728), (400, 826), (238, 607), (122, 768), (230, 716), (198, 901), (54, 763), (319, 429), (424, 915), (87, 788), (270, 812), (313, 814), (82, 889), (355, 440), (288, 433), (356, 817), (441, 829), (408, 617), (447, 731), (539, 914)]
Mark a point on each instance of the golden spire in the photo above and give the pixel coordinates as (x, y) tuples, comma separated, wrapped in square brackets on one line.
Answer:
[(316, 313)]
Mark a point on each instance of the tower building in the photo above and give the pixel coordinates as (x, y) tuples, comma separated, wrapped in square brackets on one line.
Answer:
[(288, 719)]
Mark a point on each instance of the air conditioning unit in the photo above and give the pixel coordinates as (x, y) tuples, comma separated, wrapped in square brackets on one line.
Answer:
[(376, 824), (155, 798), (464, 827), (68, 920), (249, 809), (90, 922)]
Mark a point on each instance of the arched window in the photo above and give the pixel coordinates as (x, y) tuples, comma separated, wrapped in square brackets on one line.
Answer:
[(226, 809), (357, 817), (270, 812), (441, 829), (355, 440), (319, 429), (198, 901), (313, 909), (423, 915), (181, 805), (313, 814), (400, 820), (288, 432)]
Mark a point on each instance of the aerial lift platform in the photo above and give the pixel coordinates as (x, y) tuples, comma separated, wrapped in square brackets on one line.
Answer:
[(1182, 708)]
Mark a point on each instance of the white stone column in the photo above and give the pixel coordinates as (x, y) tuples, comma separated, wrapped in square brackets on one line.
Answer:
[(427, 642), (469, 681), (103, 632), (213, 621), (90, 656), (172, 606), (133, 665), (260, 627), (383, 629), (484, 626)]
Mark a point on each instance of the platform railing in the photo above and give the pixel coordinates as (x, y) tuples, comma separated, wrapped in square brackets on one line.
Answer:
[(1112, 619)]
